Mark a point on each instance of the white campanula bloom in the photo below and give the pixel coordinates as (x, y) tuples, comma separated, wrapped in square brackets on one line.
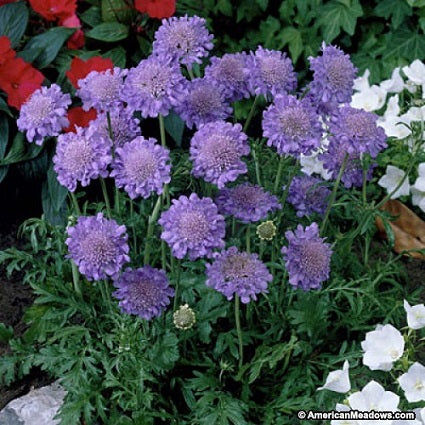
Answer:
[(391, 179), (415, 72), (338, 380), (413, 383), (395, 84), (370, 99), (415, 315), (343, 408)]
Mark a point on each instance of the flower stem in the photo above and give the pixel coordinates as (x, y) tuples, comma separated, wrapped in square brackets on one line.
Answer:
[(75, 203), (176, 290), (151, 224), (133, 226), (162, 130), (75, 279), (257, 165), (105, 195), (190, 72), (279, 173), (251, 113), (248, 239), (239, 330)]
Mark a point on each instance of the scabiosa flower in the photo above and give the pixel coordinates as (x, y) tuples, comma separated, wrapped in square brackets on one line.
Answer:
[(125, 127), (271, 72), (153, 86), (186, 39), (240, 273), (307, 257), (184, 318), (192, 226), (308, 196), (143, 292), (266, 230), (44, 113), (246, 202), (216, 150), (292, 126), (358, 129), (203, 103), (81, 156), (333, 77), (98, 246), (100, 90), (141, 167), (231, 72)]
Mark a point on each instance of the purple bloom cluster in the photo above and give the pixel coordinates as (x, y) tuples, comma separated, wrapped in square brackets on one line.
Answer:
[(240, 273), (153, 87), (44, 113), (143, 292), (307, 257), (81, 156), (141, 167), (98, 247), (246, 202), (193, 226), (308, 196), (271, 72), (216, 150), (185, 40), (204, 102), (292, 126)]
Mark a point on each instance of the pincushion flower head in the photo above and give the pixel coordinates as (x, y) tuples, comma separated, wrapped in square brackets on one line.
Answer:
[(98, 246), (44, 113), (247, 202), (292, 126), (382, 347), (153, 86), (266, 230), (144, 292), (415, 315), (184, 318), (308, 195), (193, 226), (81, 157), (185, 40), (271, 72), (333, 77), (231, 72), (204, 102), (338, 380), (307, 257), (216, 150), (141, 167), (100, 90), (240, 273)]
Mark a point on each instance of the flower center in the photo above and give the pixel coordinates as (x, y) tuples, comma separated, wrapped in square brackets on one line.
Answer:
[(273, 70), (295, 123), (394, 354), (237, 266), (247, 196), (141, 165), (77, 156), (313, 257), (39, 108), (338, 69), (231, 69), (219, 152), (105, 87), (142, 293), (205, 99), (98, 247), (419, 385), (154, 80), (193, 226), (359, 124), (183, 37)]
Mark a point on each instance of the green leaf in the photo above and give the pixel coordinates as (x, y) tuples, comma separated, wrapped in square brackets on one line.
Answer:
[(20, 151), (225, 7), (30, 55), (263, 4), (109, 31), (405, 44), (175, 127), (4, 135), (396, 9), (53, 216), (92, 17), (6, 333), (4, 107), (416, 3), (57, 192), (50, 43), (13, 21), (117, 55), (116, 11), (293, 38)]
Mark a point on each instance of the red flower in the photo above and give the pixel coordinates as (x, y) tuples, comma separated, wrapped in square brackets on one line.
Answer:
[(51, 10), (78, 116), (77, 39), (3, 2), (156, 8), (80, 68), (6, 51), (19, 80)]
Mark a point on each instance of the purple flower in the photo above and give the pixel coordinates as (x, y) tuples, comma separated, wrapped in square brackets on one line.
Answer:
[(216, 150), (357, 129), (333, 77), (153, 86), (240, 273), (98, 247), (101, 90), (125, 127), (143, 292), (192, 226), (308, 196), (246, 202), (141, 167), (44, 113), (81, 156), (231, 72), (292, 126), (185, 40), (272, 72), (307, 257), (203, 103)]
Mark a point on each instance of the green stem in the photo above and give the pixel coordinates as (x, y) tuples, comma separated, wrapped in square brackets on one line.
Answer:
[(75, 203), (279, 173), (190, 72), (75, 279), (176, 290), (133, 226), (110, 132), (248, 239), (364, 182), (251, 113), (257, 165), (239, 330), (105, 195), (233, 227), (162, 130), (151, 224)]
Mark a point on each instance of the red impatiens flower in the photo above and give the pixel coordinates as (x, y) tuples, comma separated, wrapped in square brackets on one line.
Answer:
[(51, 10), (156, 8), (3, 2), (77, 39), (80, 68), (77, 116), (6, 51), (19, 79)]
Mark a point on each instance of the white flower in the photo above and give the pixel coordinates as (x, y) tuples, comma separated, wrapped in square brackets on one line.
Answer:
[(311, 164), (369, 99), (382, 347), (362, 83), (343, 408), (420, 415), (391, 179), (415, 72), (415, 315), (393, 108), (418, 191), (374, 397), (338, 380), (394, 126), (413, 383), (395, 84)]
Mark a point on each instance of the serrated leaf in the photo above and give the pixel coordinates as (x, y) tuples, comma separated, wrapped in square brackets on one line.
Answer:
[(109, 32), (6, 333), (405, 44), (13, 21), (293, 38), (396, 9)]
